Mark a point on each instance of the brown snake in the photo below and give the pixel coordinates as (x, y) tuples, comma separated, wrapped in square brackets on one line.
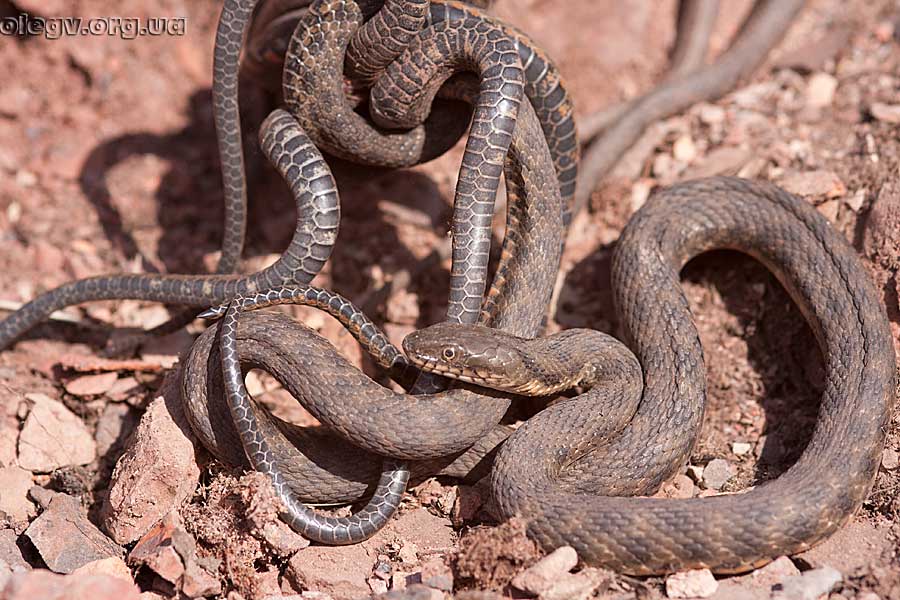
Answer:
[(567, 470)]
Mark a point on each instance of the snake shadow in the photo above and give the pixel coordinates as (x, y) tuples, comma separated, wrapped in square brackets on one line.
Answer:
[(755, 322), (189, 209)]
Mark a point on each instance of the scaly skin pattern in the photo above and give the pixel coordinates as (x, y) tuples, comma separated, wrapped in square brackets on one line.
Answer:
[(566, 478), (360, 526), (318, 216), (366, 414)]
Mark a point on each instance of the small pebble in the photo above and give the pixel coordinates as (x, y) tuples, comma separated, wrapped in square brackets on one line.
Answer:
[(741, 448), (890, 459), (820, 90), (684, 149), (543, 574), (691, 584), (717, 473), (888, 113)]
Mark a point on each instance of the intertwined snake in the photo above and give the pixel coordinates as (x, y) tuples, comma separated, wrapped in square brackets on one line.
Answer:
[(568, 470)]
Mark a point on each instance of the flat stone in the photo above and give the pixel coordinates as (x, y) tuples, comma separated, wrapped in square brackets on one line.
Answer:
[(741, 448), (14, 486), (53, 437), (717, 473), (115, 424), (726, 160), (197, 582), (699, 583), (91, 385), (579, 586), (50, 586), (340, 571), (775, 572), (813, 183), (542, 576), (158, 470), (112, 566), (887, 113), (66, 539)]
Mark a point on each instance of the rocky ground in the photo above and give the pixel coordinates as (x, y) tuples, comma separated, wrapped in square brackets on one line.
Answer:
[(108, 163)]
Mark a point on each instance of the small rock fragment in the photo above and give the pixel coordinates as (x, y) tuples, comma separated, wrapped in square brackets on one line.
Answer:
[(684, 149), (887, 113), (408, 553), (53, 437), (66, 539), (157, 550), (695, 472), (890, 459), (157, 472), (741, 448), (115, 424), (813, 183), (808, 586), (820, 90), (197, 582), (436, 574), (50, 586), (717, 473), (711, 114), (680, 486), (91, 385), (14, 486), (541, 576), (468, 502), (856, 200), (691, 584)]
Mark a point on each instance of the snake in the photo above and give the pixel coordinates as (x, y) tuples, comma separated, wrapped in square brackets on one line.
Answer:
[(346, 401), (571, 471), (567, 470)]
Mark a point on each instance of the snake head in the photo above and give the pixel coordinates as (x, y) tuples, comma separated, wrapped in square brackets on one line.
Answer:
[(470, 353)]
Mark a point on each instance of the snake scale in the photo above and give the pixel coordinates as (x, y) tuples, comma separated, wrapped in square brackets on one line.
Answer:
[(568, 469)]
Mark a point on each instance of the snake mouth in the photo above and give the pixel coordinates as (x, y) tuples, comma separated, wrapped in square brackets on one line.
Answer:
[(451, 372)]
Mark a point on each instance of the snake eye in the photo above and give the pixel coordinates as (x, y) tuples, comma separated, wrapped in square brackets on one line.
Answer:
[(448, 353)]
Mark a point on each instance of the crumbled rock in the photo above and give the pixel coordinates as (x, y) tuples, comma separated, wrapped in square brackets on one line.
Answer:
[(717, 473), (91, 385), (691, 584), (14, 486), (820, 90), (158, 470), (436, 574), (680, 486), (808, 586), (541, 576), (492, 556), (66, 539), (428, 532), (197, 582), (890, 459), (468, 502), (888, 113), (53, 437), (813, 183), (50, 586)]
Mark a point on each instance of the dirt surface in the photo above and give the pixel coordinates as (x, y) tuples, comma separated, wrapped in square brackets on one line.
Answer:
[(108, 162)]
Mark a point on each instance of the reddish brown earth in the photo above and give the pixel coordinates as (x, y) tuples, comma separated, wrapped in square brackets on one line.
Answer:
[(108, 163)]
